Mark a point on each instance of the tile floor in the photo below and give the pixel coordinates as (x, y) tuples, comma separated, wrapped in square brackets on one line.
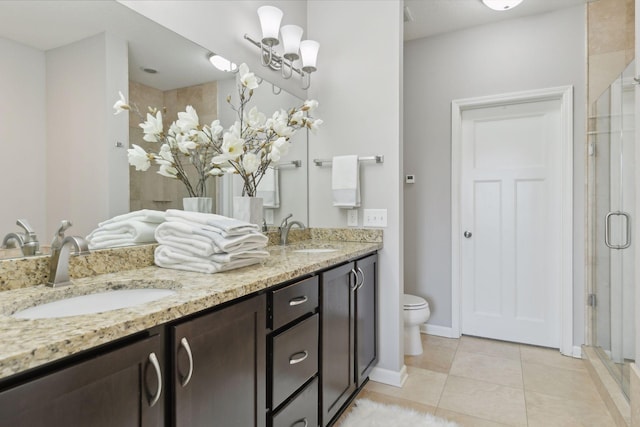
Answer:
[(485, 383)]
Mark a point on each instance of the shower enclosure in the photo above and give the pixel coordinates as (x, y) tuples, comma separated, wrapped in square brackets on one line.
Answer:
[(611, 195)]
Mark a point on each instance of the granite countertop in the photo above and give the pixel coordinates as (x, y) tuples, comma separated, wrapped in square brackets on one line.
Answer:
[(26, 344)]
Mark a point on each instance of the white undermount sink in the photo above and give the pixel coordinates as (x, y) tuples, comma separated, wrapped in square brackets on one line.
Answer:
[(93, 303), (314, 250)]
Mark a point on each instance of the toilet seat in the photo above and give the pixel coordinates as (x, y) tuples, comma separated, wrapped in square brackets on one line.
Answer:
[(413, 302)]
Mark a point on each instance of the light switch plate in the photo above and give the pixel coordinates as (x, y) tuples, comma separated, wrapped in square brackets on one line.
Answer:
[(352, 218), (375, 218)]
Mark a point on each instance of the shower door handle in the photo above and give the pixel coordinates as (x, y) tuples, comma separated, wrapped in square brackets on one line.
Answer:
[(607, 230)]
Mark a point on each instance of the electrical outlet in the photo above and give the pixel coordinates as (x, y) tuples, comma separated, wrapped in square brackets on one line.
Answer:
[(268, 216), (352, 218), (375, 218)]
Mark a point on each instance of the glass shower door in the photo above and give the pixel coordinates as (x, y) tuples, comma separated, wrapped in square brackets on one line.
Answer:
[(611, 149)]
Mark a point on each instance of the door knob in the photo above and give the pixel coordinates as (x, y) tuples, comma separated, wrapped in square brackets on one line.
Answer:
[(467, 234)]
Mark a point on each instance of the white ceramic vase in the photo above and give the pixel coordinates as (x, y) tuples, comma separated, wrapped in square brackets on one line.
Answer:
[(198, 204), (248, 209)]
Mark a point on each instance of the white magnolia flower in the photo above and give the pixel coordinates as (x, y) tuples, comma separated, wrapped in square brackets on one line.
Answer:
[(232, 145), (250, 163), (279, 148), (274, 155), (121, 104), (297, 118), (216, 129), (216, 172), (168, 171), (255, 119), (188, 120), (186, 143), (313, 125), (152, 127), (247, 78), (282, 129), (165, 157), (309, 105), (138, 158)]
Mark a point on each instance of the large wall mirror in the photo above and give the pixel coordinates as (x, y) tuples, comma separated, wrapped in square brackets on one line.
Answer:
[(64, 152)]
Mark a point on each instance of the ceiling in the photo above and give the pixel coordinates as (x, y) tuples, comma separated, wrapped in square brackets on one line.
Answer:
[(432, 17)]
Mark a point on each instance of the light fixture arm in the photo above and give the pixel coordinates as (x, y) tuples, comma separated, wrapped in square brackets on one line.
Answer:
[(276, 60)]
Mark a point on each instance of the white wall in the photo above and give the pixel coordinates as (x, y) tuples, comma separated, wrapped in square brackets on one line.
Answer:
[(534, 52), (22, 137), (83, 183), (359, 89)]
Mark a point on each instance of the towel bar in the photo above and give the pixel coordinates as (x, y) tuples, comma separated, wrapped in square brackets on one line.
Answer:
[(294, 163), (377, 159)]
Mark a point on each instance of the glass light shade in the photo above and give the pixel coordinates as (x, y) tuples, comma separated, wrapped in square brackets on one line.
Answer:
[(291, 36), (501, 4), (270, 17), (309, 53), (222, 63)]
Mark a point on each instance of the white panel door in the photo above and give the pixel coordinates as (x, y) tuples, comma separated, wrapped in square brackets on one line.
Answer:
[(510, 215)]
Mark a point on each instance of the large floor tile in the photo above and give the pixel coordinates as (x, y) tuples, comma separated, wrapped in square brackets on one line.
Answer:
[(550, 411), (497, 370), (440, 342), (489, 347), (422, 386), (484, 400), (433, 358), (550, 357), (467, 420), (565, 383)]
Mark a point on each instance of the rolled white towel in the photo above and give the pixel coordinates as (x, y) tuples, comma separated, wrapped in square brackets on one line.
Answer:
[(168, 257), (124, 233), (227, 226), (205, 241), (144, 215)]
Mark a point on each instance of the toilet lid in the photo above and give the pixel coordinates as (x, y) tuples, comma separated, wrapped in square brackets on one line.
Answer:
[(413, 301)]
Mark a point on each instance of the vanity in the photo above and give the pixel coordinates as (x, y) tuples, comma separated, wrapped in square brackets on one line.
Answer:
[(284, 343)]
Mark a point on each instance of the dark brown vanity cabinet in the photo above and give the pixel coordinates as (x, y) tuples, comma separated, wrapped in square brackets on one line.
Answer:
[(294, 354), (218, 367), (121, 387), (349, 329)]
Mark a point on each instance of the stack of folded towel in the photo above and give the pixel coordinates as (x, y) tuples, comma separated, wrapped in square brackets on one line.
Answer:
[(207, 243), (128, 229)]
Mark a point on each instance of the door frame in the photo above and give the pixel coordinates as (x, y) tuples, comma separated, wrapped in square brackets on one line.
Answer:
[(564, 94)]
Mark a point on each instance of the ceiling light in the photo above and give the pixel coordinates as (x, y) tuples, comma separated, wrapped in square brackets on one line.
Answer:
[(501, 4), (222, 63)]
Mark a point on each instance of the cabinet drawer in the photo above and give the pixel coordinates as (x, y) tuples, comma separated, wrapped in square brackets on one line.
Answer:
[(301, 411), (294, 300), (295, 359)]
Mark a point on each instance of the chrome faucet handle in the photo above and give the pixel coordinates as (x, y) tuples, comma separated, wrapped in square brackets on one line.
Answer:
[(30, 246), (284, 221), (59, 264), (59, 236)]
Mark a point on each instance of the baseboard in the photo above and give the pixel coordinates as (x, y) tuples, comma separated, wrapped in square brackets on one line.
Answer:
[(386, 376), (441, 331), (577, 352)]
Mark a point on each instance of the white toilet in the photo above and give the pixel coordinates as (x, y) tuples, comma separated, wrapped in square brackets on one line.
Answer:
[(416, 312)]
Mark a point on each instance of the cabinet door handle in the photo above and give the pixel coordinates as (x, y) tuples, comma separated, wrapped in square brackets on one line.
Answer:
[(153, 399), (298, 300), (185, 344), (361, 283), (302, 421), (355, 285), (298, 357)]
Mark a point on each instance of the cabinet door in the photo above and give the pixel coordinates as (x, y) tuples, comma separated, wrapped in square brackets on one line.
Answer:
[(119, 388), (218, 367), (366, 319), (337, 365)]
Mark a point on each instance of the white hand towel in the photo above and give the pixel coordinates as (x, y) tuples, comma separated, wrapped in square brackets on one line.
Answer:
[(345, 182), (122, 233), (144, 215), (227, 226), (205, 241), (269, 188), (168, 257)]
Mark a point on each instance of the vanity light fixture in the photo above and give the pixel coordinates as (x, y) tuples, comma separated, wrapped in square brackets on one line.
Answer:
[(222, 63), (294, 48), (501, 4)]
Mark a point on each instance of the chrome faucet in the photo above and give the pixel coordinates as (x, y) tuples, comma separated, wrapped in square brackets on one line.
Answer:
[(285, 227), (27, 241), (60, 252)]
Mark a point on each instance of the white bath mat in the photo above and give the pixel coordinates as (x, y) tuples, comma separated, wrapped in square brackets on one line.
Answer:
[(366, 413)]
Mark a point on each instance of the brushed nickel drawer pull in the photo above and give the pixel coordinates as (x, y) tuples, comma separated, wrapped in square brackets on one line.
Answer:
[(298, 300), (304, 422), (298, 357), (153, 399)]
